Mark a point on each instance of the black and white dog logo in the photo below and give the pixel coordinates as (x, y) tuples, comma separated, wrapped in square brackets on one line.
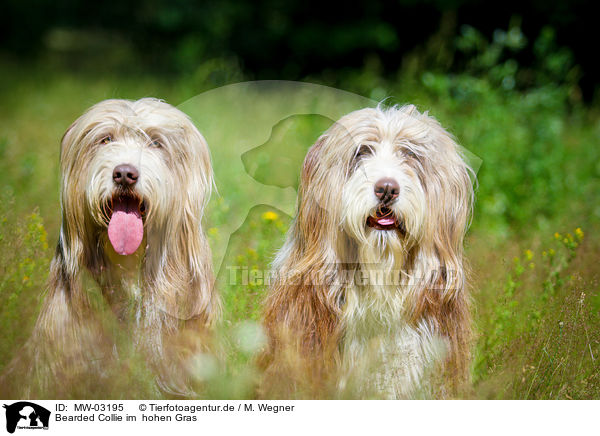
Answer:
[(26, 415)]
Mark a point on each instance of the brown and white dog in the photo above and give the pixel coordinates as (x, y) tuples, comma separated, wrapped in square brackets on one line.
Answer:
[(368, 293), (135, 178)]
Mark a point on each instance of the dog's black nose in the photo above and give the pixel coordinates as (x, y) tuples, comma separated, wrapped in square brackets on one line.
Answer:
[(387, 190), (125, 175)]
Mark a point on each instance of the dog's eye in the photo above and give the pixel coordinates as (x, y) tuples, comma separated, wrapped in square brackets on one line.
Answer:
[(156, 143), (363, 150), (106, 139), (410, 154)]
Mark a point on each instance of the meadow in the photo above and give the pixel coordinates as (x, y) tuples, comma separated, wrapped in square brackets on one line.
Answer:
[(532, 247)]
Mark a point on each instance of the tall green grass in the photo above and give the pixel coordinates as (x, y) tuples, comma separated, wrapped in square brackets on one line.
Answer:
[(536, 297), (24, 264)]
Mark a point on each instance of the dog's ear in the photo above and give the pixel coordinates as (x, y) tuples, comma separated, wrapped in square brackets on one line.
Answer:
[(178, 262), (311, 160), (75, 248), (323, 174), (310, 224), (449, 192), (76, 245), (441, 294), (302, 310)]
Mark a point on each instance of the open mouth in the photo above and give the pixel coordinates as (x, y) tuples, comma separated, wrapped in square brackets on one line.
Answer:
[(385, 219), (125, 213)]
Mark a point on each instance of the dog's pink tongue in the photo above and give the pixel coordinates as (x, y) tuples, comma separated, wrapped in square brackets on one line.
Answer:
[(386, 221), (125, 229)]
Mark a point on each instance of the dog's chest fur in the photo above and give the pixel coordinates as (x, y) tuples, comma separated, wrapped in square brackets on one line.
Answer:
[(122, 280), (381, 351)]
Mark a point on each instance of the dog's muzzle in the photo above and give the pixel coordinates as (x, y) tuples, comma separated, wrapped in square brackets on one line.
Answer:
[(386, 190), (384, 219)]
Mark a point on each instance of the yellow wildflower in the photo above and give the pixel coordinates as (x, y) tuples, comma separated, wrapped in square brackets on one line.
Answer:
[(270, 216), (251, 252), (529, 254), (579, 233)]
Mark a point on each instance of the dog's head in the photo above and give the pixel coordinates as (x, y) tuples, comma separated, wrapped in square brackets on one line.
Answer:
[(133, 172), (390, 180), (128, 165)]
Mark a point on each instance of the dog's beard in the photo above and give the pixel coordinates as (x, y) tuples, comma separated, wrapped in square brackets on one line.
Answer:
[(383, 234)]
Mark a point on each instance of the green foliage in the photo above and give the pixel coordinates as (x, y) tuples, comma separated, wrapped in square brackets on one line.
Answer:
[(24, 263), (245, 272), (517, 299), (536, 315), (529, 140)]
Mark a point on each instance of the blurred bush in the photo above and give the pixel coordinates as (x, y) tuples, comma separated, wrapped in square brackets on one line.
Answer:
[(287, 40), (24, 264)]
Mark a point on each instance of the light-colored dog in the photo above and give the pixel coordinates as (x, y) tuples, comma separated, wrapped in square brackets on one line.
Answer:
[(135, 178), (368, 291)]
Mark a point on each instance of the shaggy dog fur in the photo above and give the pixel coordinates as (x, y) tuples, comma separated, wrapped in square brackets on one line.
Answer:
[(368, 293), (135, 178)]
